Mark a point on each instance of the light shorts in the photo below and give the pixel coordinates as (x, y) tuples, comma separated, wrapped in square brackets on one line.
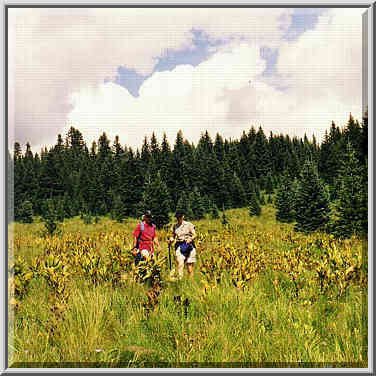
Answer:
[(145, 253), (181, 258)]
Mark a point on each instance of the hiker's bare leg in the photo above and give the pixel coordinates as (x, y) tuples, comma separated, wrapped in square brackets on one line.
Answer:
[(180, 263), (190, 269)]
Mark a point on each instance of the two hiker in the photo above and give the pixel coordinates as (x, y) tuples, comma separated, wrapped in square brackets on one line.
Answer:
[(183, 233)]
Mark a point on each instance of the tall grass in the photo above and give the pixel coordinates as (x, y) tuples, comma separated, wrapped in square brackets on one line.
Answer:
[(262, 325)]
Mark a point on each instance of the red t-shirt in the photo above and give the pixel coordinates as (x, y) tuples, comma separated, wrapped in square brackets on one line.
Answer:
[(146, 241)]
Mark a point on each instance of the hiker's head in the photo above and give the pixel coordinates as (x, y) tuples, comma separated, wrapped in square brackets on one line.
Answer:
[(147, 216), (179, 216)]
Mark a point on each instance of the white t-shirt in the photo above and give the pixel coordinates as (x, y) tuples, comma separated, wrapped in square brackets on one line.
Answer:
[(184, 231)]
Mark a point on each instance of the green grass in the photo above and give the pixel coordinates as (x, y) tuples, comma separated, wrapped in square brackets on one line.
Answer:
[(262, 325)]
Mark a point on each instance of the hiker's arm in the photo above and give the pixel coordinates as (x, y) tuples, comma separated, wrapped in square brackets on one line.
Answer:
[(193, 236), (172, 238), (156, 241), (136, 233), (134, 250)]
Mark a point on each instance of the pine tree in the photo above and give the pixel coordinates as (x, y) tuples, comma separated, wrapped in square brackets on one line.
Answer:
[(364, 138), (254, 206), (352, 203), (156, 198), (257, 191), (284, 201), (206, 203), (49, 217), (269, 184), (25, 212), (118, 209), (237, 192), (312, 209), (118, 151), (262, 199), (68, 206), (155, 151), (224, 218), (197, 204), (250, 189), (214, 212), (262, 156), (184, 205), (60, 210)]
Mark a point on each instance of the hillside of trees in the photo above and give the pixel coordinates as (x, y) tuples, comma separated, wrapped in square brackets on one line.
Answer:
[(108, 178)]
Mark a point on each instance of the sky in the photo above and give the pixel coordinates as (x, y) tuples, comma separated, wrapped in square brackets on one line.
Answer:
[(133, 71)]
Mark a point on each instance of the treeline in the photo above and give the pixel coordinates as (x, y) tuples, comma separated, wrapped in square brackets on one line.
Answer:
[(113, 179), (331, 195)]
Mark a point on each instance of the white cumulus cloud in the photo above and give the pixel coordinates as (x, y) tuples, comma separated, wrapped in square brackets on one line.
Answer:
[(57, 52)]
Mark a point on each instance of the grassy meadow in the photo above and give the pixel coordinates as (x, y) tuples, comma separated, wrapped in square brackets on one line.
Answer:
[(261, 296)]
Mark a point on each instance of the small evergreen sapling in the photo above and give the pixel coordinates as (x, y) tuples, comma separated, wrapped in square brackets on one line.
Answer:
[(352, 203), (184, 205), (284, 201), (214, 212), (269, 184), (262, 199), (156, 198), (49, 217), (197, 204), (118, 209), (254, 206), (312, 209), (224, 218), (25, 212)]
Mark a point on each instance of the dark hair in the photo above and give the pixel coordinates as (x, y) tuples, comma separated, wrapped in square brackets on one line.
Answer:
[(148, 214), (179, 214)]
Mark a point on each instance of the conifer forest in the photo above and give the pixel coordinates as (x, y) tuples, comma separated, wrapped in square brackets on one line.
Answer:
[(108, 178)]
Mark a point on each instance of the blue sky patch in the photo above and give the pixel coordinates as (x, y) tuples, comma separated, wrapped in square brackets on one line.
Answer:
[(202, 49), (303, 19)]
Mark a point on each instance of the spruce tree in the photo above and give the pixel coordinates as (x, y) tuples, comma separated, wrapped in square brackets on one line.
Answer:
[(262, 156), (49, 217), (60, 209), (118, 209), (262, 199), (25, 212), (269, 184), (284, 201), (237, 192), (224, 218), (197, 204), (250, 189), (206, 202), (184, 205), (68, 206), (257, 191), (254, 206), (156, 198), (214, 212), (312, 209), (352, 203)]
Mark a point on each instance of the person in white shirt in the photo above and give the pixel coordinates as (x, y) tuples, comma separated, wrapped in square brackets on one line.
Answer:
[(183, 233)]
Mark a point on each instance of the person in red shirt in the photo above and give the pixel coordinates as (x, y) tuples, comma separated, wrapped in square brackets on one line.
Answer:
[(143, 246)]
